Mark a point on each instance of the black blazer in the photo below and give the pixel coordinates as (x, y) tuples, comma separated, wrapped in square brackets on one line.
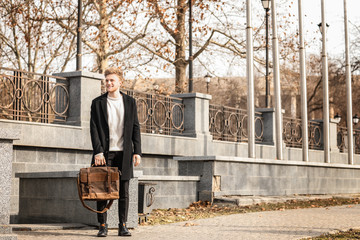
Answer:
[(99, 130)]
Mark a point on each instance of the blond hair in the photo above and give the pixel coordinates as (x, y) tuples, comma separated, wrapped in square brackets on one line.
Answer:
[(114, 70)]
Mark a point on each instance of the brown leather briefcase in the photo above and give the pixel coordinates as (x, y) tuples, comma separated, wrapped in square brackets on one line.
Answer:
[(98, 184)]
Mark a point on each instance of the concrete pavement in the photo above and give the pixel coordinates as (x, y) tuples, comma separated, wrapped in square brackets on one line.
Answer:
[(288, 224)]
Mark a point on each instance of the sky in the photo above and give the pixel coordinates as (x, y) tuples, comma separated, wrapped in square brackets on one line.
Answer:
[(334, 12)]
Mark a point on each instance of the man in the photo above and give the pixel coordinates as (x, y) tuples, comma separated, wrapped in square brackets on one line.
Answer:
[(115, 137)]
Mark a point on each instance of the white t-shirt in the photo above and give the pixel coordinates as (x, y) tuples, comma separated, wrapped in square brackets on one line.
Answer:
[(116, 113)]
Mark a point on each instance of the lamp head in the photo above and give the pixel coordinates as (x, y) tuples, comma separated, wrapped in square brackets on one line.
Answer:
[(355, 119), (321, 28), (266, 3), (337, 117), (207, 78)]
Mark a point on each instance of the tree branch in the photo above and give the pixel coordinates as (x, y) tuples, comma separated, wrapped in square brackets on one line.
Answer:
[(312, 96), (205, 45), (162, 20)]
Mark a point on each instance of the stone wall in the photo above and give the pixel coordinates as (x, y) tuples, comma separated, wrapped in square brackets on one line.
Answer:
[(222, 175)]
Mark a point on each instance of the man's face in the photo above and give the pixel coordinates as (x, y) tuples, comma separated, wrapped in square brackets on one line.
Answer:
[(112, 83)]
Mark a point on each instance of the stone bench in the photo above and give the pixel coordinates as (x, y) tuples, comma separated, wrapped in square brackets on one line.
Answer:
[(52, 197), (173, 191)]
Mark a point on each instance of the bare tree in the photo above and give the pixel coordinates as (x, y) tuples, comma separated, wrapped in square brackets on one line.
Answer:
[(28, 42), (110, 28), (169, 40)]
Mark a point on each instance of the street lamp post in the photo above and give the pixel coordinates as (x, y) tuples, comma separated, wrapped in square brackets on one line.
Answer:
[(266, 5), (207, 80), (190, 49), (79, 36)]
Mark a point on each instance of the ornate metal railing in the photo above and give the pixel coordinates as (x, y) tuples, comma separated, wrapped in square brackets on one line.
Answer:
[(357, 141), (292, 133), (159, 113), (230, 124), (342, 139), (27, 96)]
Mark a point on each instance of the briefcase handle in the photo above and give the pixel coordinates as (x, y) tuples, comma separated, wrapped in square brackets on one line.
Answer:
[(86, 206)]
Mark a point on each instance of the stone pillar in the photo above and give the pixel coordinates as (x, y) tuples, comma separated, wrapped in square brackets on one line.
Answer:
[(293, 106), (196, 113), (268, 117), (333, 136), (207, 181), (6, 156), (83, 88), (312, 115)]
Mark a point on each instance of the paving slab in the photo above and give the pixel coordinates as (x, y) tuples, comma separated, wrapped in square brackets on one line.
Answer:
[(287, 224), (47, 226)]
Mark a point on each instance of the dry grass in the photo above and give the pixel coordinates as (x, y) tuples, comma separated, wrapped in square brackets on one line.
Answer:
[(351, 234), (201, 209)]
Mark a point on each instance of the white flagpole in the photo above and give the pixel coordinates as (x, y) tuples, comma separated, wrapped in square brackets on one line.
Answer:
[(250, 80), (348, 91), (276, 69), (304, 116), (326, 117)]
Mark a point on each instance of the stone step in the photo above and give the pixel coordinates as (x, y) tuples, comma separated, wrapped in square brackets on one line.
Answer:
[(251, 200), (46, 226), (8, 237)]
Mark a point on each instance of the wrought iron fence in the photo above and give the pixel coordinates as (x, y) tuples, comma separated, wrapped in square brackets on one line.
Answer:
[(159, 113), (230, 124), (357, 141), (342, 133), (292, 133), (27, 96)]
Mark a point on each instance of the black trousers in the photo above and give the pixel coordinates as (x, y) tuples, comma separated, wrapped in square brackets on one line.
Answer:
[(115, 160)]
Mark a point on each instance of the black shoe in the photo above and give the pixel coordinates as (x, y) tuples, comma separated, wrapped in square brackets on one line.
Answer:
[(123, 231), (103, 230)]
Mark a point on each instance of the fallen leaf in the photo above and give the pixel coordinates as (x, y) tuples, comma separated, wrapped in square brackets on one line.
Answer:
[(190, 224)]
